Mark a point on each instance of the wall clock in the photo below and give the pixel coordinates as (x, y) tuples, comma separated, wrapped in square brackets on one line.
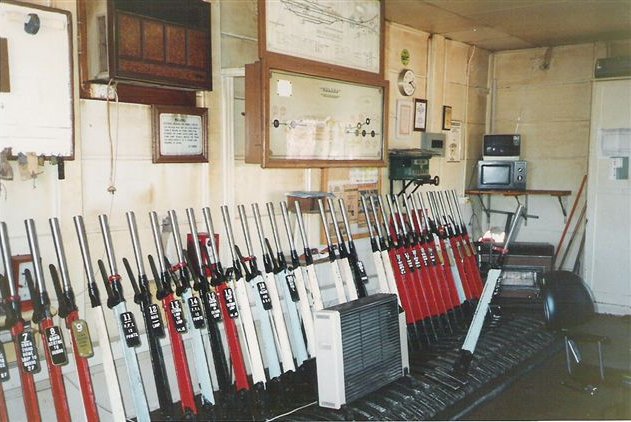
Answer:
[(407, 82)]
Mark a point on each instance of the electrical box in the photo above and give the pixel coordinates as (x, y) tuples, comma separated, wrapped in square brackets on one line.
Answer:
[(433, 143), (36, 97), (409, 164), (619, 168), (162, 43)]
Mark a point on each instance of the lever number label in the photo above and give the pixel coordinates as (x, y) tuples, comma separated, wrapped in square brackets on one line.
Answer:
[(28, 352), (56, 347), (4, 368), (264, 294), (178, 316), (197, 316), (290, 278), (155, 321), (361, 270), (215, 311), (81, 335), (130, 329), (231, 304)]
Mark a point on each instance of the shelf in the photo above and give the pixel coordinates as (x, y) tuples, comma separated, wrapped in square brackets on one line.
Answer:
[(557, 193)]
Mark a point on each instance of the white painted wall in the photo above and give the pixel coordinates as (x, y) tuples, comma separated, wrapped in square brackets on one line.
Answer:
[(550, 108)]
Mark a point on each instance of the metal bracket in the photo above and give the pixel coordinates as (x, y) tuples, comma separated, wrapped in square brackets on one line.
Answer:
[(418, 182), (563, 210), (488, 210)]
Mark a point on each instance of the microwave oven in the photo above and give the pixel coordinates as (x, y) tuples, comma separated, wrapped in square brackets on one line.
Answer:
[(502, 175), (501, 147)]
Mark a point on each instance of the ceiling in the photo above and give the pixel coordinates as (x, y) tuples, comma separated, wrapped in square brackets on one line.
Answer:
[(498, 25)]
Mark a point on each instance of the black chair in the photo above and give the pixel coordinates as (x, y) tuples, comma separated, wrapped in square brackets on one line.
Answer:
[(568, 304)]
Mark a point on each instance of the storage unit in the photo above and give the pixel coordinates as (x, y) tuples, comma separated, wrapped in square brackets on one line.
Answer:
[(165, 43)]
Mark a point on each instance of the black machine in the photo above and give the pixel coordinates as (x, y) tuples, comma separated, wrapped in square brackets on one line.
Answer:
[(410, 166), (501, 147), (500, 174)]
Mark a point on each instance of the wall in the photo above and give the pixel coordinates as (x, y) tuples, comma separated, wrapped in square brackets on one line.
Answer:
[(449, 73), (550, 107)]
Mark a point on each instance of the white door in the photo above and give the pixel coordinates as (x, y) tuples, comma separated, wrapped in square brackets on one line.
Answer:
[(607, 260)]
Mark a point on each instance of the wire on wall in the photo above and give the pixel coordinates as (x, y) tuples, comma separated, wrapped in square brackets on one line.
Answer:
[(113, 145)]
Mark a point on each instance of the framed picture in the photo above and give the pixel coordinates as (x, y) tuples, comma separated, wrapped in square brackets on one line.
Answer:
[(180, 134), (446, 117), (19, 263), (404, 118), (420, 115), (348, 33)]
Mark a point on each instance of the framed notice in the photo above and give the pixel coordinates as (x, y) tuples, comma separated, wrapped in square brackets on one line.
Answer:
[(446, 117), (180, 134), (453, 152), (420, 115), (351, 184), (343, 33), (405, 118)]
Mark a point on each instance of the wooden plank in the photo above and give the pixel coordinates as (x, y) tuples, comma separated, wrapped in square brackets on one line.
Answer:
[(5, 81), (519, 192)]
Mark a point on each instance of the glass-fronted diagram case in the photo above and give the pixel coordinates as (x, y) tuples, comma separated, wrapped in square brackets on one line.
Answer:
[(298, 116), (343, 33), (321, 119)]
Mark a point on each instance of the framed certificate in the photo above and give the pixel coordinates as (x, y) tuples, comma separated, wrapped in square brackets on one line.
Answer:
[(180, 134), (420, 115)]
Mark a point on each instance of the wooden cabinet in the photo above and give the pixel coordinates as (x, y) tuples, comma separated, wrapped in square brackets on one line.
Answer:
[(157, 43)]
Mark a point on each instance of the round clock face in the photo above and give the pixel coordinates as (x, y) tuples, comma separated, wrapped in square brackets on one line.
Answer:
[(407, 82)]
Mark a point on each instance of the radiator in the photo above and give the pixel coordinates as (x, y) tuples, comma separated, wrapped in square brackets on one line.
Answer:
[(358, 348)]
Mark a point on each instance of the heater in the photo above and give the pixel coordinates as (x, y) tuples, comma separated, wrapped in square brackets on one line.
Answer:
[(358, 348)]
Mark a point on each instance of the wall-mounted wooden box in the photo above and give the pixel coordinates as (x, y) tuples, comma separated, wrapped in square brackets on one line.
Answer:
[(158, 43)]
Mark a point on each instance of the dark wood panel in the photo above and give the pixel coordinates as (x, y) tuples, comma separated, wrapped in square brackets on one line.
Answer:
[(198, 49), (151, 95), (130, 39), (175, 48), (153, 41), (135, 69), (155, 52)]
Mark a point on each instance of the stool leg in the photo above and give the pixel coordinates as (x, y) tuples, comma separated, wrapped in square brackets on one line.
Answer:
[(567, 356)]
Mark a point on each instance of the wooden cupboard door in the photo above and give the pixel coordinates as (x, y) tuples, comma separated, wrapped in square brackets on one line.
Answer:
[(158, 52)]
